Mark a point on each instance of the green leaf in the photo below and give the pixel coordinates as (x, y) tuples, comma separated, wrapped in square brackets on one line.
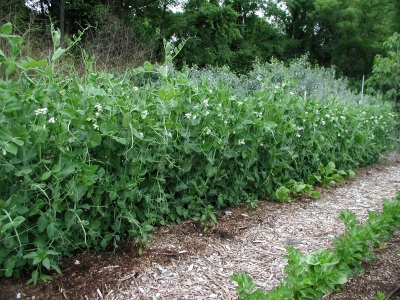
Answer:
[(6, 28), (51, 231), (210, 170), (45, 278), (12, 106), (95, 140), (127, 119), (119, 140), (56, 267), (34, 277), (26, 170), (166, 95), (45, 175), (181, 186), (56, 168), (52, 252), (148, 66), (270, 125), (56, 56), (10, 264), (31, 255), (330, 168), (70, 218), (18, 221), (46, 263), (67, 170), (10, 69), (351, 174), (108, 127), (42, 223), (282, 193), (315, 194), (11, 148)]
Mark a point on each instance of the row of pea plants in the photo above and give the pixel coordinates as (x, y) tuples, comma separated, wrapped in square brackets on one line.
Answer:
[(318, 273), (86, 161)]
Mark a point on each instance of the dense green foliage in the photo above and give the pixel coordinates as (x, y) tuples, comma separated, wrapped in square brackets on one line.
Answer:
[(313, 275), (88, 160), (386, 72), (347, 34)]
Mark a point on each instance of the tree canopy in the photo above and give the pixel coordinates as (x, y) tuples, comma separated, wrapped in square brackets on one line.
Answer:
[(345, 33)]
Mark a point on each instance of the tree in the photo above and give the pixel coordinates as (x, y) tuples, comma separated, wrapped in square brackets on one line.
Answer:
[(386, 71), (295, 18), (351, 32), (212, 29)]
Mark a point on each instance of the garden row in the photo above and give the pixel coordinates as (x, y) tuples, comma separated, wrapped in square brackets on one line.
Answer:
[(89, 160), (315, 274)]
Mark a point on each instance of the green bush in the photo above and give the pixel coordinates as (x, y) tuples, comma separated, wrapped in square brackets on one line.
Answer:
[(86, 161)]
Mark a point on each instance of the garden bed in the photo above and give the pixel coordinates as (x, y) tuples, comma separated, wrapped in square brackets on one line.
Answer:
[(184, 262)]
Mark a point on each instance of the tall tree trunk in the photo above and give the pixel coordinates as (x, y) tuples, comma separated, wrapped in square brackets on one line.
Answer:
[(62, 23)]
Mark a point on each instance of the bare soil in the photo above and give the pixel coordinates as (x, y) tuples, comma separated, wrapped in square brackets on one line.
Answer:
[(116, 274)]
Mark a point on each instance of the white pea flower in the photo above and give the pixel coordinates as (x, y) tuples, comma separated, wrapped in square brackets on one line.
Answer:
[(343, 117), (41, 111), (298, 135), (207, 113), (327, 115), (210, 91), (188, 115), (141, 135), (208, 131), (194, 117), (241, 142), (135, 88), (4, 151), (98, 107), (97, 114), (259, 78), (205, 102), (144, 114), (338, 134), (240, 103), (291, 93), (225, 122), (52, 120), (95, 126), (323, 122)]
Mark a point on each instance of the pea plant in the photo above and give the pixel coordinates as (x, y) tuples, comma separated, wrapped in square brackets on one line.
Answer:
[(87, 161)]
